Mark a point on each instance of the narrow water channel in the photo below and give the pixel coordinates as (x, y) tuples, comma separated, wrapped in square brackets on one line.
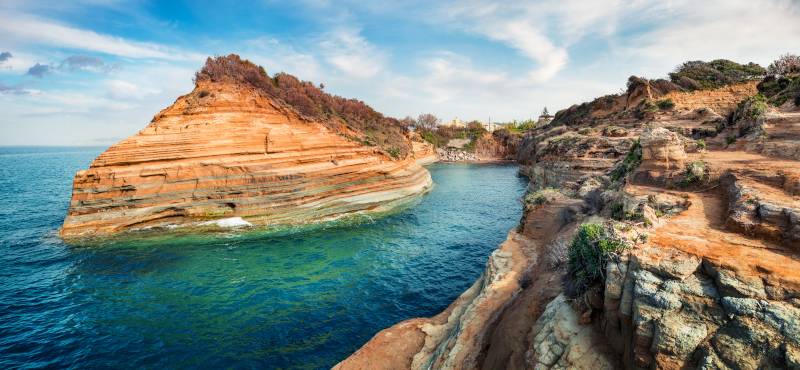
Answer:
[(231, 298)]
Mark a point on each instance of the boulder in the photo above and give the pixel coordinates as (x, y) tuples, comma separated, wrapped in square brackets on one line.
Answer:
[(662, 148)]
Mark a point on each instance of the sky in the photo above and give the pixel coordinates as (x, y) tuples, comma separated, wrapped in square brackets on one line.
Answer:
[(83, 70)]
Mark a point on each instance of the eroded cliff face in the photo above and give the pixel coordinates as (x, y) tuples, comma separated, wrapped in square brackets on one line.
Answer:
[(226, 150), (423, 151), (710, 279)]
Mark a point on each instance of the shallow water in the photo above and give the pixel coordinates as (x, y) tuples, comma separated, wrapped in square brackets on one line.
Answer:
[(231, 298)]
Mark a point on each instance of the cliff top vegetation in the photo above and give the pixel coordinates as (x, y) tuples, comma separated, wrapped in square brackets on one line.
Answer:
[(429, 129), (686, 77), (312, 103), (697, 75)]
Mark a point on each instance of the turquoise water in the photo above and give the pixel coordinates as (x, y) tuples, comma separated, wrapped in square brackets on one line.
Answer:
[(232, 298)]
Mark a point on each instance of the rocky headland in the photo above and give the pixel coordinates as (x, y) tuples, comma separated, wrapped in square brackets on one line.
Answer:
[(242, 144), (661, 230)]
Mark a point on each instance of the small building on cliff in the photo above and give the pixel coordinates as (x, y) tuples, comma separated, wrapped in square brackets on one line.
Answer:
[(455, 124)]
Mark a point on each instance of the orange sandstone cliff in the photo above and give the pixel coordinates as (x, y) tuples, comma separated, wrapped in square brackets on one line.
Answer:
[(228, 150), (708, 209)]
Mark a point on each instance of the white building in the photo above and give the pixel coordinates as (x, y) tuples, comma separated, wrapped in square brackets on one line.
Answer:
[(454, 124), (491, 126)]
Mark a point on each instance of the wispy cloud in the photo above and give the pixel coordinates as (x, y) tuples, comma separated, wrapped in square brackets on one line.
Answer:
[(740, 30), (84, 61), (471, 58), (279, 57), (125, 91), (14, 89), (25, 30), (351, 53)]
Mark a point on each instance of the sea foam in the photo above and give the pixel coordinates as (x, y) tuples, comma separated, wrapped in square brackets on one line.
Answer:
[(229, 222)]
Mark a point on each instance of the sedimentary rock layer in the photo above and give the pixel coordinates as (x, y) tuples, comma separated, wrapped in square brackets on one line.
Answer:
[(711, 279), (722, 100), (226, 150), (423, 152)]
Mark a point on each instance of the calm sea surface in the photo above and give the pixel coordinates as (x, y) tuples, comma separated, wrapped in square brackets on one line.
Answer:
[(231, 298)]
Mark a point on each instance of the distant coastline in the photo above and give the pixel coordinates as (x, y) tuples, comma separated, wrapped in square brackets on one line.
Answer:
[(107, 141)]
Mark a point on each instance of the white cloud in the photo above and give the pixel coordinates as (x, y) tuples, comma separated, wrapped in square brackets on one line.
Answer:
[(23, 31), (124, 90), (275, 57), (542, 53), (534, 45), (350, 53), (742, 31)]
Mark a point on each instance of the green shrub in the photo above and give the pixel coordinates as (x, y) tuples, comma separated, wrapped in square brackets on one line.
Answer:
[(731, 139), (526, 125), (644, 111), (629, 163), (531, 200), (691, 177), (617, 211), (716, 73), (701, 144), (574, 114), (632, 215), (538, 197), (588, 256), (665, 104)]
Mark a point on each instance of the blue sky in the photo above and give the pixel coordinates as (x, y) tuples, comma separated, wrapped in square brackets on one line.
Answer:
[(85, 70)]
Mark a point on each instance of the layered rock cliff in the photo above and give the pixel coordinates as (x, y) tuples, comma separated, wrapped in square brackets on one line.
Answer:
[(700, 214), (228, 150)]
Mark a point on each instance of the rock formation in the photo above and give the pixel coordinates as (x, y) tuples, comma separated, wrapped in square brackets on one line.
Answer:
[(423, 151), (708, 210), (228, 150), (662, 148)]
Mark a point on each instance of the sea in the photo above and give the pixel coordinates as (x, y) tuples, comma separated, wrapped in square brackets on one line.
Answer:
[(302, 296)]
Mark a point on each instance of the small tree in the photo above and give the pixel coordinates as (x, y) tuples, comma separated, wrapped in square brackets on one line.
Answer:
[(409, 122), (427, 121), (474, 126), (544, 112), (783, 65)]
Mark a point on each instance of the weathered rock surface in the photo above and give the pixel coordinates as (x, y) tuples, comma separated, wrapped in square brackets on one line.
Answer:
[(234, 153), (720, 299), (453, 339), (661, 148), (562, 342), (423, 151), (713, 279), (457, 143), (723, 100)]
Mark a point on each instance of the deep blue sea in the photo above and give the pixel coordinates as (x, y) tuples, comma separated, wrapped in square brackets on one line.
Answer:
[(231, 298)]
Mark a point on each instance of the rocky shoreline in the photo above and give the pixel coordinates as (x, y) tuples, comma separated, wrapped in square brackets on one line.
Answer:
[(709, 277)]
